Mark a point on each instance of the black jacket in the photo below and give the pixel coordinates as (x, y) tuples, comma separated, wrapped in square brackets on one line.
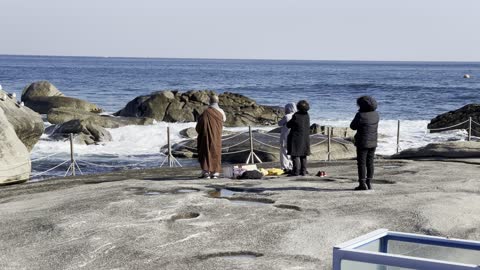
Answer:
[(366, 124), (298, 141)]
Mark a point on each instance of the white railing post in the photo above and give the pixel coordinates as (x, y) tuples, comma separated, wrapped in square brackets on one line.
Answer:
[(398, 136), (72, 159), (169, 148), (252, 156), (469, 128), (329, 146)]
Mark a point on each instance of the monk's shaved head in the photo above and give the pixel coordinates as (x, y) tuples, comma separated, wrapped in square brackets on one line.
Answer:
[(213, 99)]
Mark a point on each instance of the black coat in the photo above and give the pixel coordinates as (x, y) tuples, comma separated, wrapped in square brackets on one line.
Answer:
[(298, 141), (366, 125)]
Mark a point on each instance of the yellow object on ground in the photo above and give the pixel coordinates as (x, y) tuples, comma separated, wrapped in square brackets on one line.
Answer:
[(275, 171), (263, 171)]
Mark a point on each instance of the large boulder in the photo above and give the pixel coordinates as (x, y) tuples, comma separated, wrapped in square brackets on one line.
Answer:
[(14, 156), (63, 115), (28, 125), (40, 89), (44, 104), (43, 96), (84, 132), (450, 120), (173, 106), (235, 147), (458, 149)]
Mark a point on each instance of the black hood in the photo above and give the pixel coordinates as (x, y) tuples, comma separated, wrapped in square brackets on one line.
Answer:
[(367, 104)]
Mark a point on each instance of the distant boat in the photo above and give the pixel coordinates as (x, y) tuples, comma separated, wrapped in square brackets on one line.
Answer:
[(466, 76)]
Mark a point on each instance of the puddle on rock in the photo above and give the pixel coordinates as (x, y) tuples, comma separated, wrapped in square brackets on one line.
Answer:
[(152, 193), (235, 255), (188, 215), (236, 198), (186, 190), (288, 206)]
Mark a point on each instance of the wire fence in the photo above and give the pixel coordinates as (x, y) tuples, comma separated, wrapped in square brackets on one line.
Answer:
[(251, 146)]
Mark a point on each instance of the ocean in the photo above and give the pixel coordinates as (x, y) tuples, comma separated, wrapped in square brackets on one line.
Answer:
[(412, 92)]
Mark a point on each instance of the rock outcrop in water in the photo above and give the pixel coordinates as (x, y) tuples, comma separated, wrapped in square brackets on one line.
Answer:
[(42, 96), (453, 118), (442, 150), (14, 156), (173, 106), (85, 132), (63, 115), (28, 125), (235, 148)]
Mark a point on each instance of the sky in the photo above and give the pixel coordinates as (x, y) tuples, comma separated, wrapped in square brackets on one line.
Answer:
[(401, 30)]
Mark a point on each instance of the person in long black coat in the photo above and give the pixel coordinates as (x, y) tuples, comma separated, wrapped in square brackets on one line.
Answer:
[(366, 124), (298, 141)]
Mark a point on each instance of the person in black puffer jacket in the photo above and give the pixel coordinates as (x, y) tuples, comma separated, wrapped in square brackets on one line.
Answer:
[(298, 140), (366, 124)]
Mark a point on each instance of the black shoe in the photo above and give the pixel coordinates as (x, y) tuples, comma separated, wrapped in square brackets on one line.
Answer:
[(361, 186), (368, 183)]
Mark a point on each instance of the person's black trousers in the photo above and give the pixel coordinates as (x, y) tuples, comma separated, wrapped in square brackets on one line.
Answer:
[(299, 165), (365, 163)]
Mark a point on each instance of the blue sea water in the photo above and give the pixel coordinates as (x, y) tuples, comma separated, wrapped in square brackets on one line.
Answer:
[(413, 92), (404, 90)]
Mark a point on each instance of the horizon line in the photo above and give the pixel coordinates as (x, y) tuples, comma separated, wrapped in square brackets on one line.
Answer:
[(239, 59)]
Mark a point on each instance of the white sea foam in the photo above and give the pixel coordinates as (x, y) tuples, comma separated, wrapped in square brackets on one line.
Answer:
[(413, 133), (147, 140)]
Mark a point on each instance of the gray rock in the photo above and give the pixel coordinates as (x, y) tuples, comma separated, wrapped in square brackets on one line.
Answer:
[(189, 133), (44, 104), (139, 219), (84, 131), (40, 89), (62, 115), (14, 155), (43, 96), (453, 118), (339, 132), (458, 149), (28, 125), (186, 107), (152, 106)]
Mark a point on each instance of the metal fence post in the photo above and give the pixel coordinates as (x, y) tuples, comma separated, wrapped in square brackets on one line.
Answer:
[(169, 148), (252, 156), (329, 136), (469, 128), (72, 160), (398, 136)]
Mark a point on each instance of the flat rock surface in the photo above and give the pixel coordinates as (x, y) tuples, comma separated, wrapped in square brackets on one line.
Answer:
[(169, 219)]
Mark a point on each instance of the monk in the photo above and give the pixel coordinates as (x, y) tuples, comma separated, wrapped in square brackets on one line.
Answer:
[(209, 141)]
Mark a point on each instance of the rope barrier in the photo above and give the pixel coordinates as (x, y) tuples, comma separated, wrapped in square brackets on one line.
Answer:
[(232, 136), (45, 157), (338, 141), (270, 135), (478, 124), (53, 168), (236, 152), (265, 151), (444, 128), (231, 146), (110, 166), (266, 144), (318, 143)]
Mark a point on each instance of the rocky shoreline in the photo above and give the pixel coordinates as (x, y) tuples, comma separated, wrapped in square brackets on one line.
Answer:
[(168, 219)]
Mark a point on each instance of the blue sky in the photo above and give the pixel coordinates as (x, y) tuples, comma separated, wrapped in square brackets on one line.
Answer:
[(407, 30)]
